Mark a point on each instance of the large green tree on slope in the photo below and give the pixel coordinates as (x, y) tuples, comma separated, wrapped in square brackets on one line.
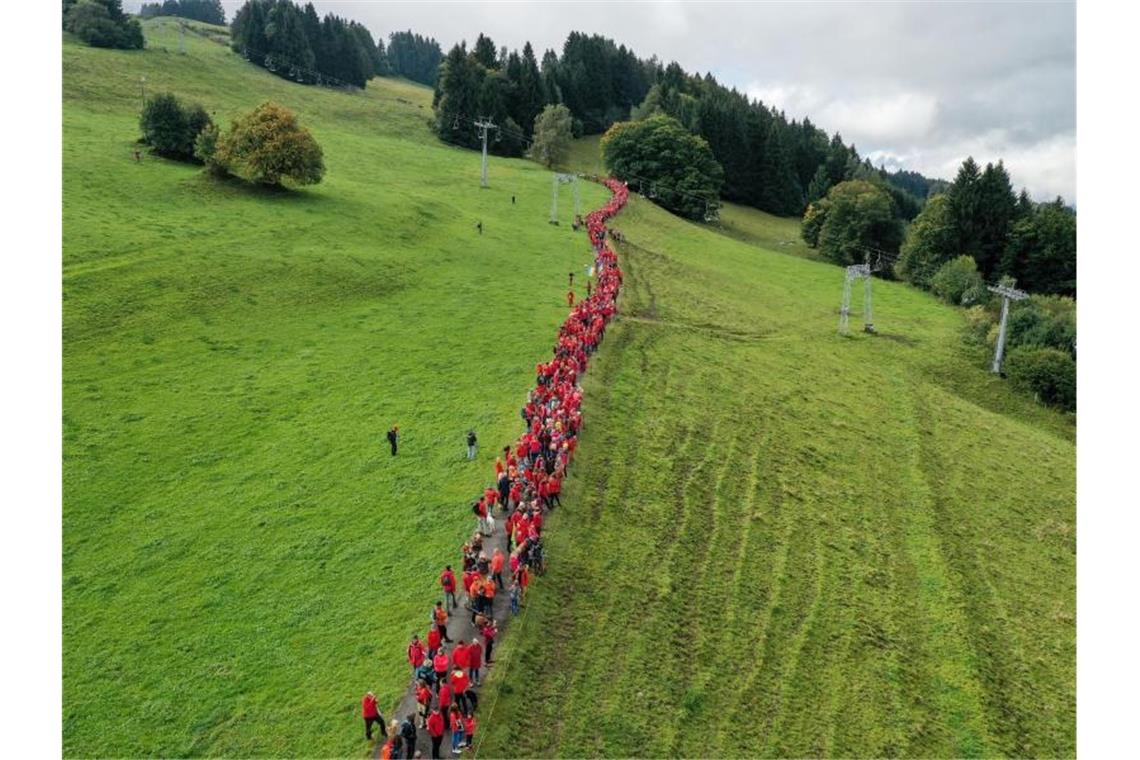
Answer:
[(551, 135), (856, 219), (664, 160), (102, 23), (931, 241)]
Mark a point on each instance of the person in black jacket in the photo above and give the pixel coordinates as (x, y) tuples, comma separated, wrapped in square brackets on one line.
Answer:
[(408, 733), (471, 441), (393, 435)]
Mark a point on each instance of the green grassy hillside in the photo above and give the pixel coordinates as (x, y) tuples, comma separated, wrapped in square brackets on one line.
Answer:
[(781, 542), (242, 557), (777, 233)]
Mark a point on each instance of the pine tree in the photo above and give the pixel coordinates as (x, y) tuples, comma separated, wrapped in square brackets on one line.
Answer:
[(531, 94), (965, 206), (460, 82), (820, 184), (995, 217), (780, 191), (484, 51)]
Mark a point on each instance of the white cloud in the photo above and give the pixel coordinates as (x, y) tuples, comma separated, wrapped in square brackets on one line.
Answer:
[(925, 84), (868, 120)]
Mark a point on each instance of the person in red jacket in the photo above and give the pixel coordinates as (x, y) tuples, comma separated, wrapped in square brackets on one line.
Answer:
[(416, 653), (435, 725), (490, 631), (445, 697), (459, 684), (434, 641), (371, 713), (469, 728), (447, 582), (440, 664), (474, 660), (459, 655), (423, 700)]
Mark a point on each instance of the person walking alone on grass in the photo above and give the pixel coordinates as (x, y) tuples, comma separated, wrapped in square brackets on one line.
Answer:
[(471, 444), (479, 226), (447, 582), (371, 713), (570, 298), (435, 731), (393, 436)]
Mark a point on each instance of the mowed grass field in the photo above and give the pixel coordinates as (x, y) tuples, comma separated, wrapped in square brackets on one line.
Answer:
[(242, 556), (750, 225), (781, 542)]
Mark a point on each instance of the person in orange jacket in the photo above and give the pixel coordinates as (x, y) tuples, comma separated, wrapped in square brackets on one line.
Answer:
[(497, 560), (439, 617), (570, 298)]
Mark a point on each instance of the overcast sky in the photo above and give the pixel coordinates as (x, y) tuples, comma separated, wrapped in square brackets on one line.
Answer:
[(918, 86)]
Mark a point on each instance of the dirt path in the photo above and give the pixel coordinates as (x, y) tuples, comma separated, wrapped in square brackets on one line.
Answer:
[(461, 627)]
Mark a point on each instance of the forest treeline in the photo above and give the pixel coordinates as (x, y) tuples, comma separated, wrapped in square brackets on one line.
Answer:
[(208, 11), (771, 162)]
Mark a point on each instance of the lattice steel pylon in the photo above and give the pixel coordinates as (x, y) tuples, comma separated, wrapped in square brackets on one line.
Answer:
[(856, 272), (560, 179), (1007, 294)]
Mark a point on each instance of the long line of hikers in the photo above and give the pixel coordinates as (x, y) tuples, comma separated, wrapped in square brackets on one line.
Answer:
[(528, 483)]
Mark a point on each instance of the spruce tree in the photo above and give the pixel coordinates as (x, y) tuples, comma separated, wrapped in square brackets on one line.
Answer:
[(780, 191), (965, 206), (531, 94), (996, 213), (460, 82), (820, 184), (484, 51)]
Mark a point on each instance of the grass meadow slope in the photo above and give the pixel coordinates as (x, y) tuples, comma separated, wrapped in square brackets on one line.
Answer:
[(242, 557), (781, 542)]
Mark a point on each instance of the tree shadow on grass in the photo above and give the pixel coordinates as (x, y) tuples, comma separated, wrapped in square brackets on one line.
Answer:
[(230, 186), (905, 340)]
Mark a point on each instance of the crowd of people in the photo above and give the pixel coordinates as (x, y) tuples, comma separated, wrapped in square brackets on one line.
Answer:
[(528, 482)]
